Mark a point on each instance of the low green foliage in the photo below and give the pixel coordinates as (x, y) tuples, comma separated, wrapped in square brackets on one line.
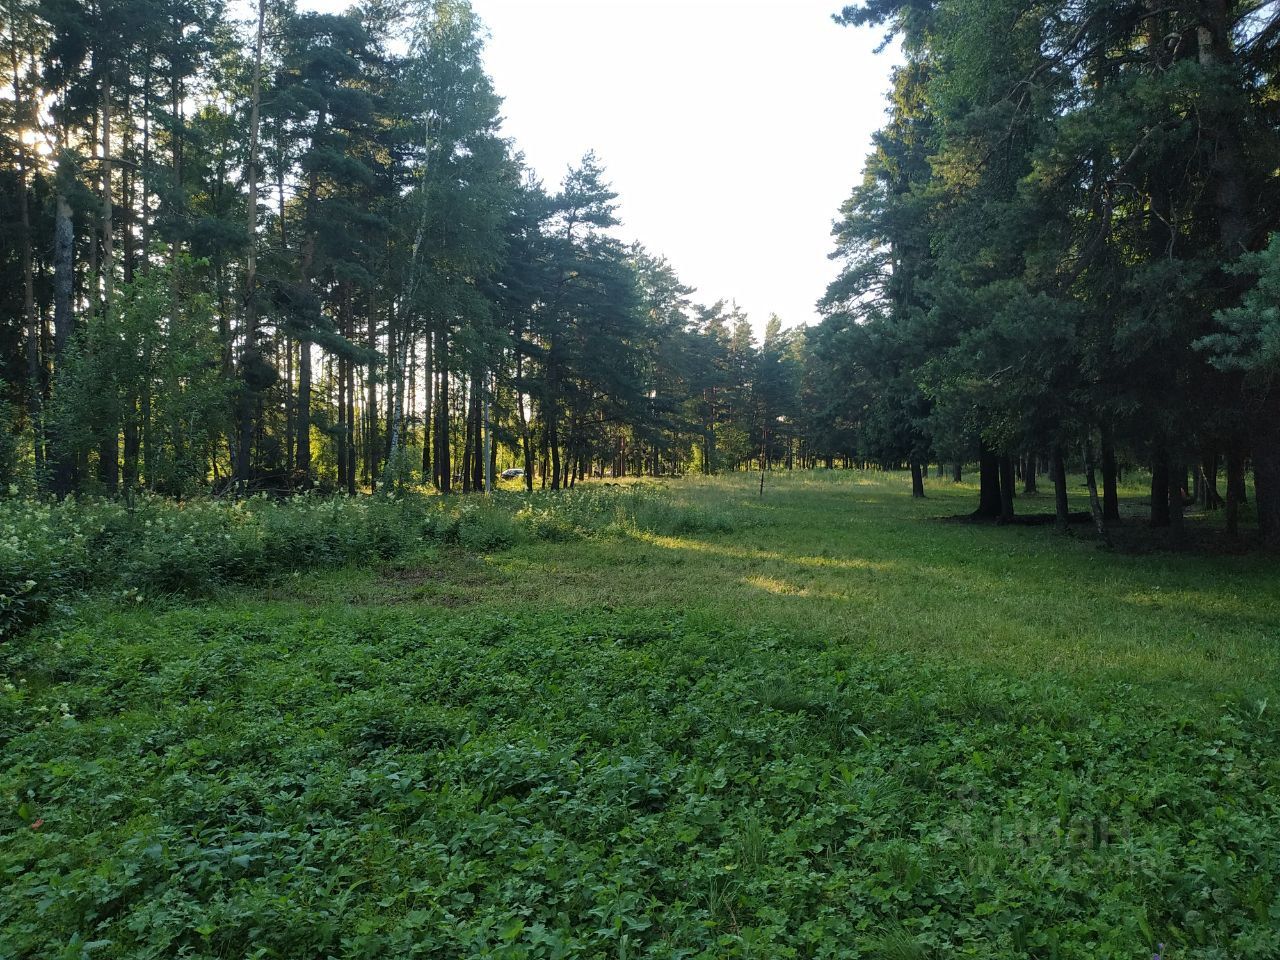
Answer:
[(708, 726), (153, 547)]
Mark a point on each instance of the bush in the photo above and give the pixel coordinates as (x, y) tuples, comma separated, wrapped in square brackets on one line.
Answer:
[(154, 546)]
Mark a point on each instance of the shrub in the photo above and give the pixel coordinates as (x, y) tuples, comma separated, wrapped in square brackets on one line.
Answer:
[(153, 546)]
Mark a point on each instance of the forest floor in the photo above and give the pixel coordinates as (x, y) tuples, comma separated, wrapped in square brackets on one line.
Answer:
[(817, 723)]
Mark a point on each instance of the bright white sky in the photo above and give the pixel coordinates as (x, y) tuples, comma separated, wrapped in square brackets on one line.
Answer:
[(731, 129)]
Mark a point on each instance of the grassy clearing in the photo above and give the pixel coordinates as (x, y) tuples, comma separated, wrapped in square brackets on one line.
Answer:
[(677, 723)]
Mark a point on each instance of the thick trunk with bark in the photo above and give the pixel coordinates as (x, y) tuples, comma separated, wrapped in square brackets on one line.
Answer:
[(302, 415), (1110, 475), (1006, 489), (477, 430), (63, 326), (443, 464), (1266, 479), (108, 233), (371, 442), (1095, 502), (1210, 498), (989, 501), (553, 441), (1235, 490), (1160, 489), (1177, 496), (248, 400), (917, 481), (1062, 509), (428, 401)]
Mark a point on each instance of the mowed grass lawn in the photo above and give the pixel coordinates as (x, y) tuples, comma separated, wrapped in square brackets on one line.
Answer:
[(821, 723)]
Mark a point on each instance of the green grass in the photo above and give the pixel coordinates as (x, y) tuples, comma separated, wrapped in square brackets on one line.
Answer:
[(683, 723)]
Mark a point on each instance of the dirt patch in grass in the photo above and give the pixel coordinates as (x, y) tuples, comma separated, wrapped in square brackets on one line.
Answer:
[(451, 581)]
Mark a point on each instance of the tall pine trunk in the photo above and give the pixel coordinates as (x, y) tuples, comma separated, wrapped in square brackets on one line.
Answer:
[(1110, 476), (33, 373), (1235, 489), (1006, 489), (1266, 480), (1095, 501), (109, 445), (1177, 494), (989, 500), (1160, 488), (302, 415), (248, 399), (1061, 503), (443, 465), (64, 469)]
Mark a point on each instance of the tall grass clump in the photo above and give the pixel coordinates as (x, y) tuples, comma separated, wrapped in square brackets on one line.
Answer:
[(610, 510), (154, 546)]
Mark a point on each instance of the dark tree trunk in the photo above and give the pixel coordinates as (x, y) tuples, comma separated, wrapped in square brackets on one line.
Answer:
[(1266, 483), (63, 327), (428, 414), (1110, 495), (109, 446), (32, 344), (341, 439), (477, 433), (1235, 490), (1160, 489), (290, 408), (471, 447), (526, 442), (1095, 502), (1029, 475), (917, 481), (478, 456), (989, 500), (302, 417), (1177, 496), (132, 440), (957, 473), (443, 454), (1210, 497), (109, 461), (553, 441), (351, 428), (371, 443), (248, 405), (1006, 489), (1061, 504)]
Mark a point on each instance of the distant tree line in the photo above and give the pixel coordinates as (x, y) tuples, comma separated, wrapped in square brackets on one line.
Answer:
[(298, 252), (1061, 254)]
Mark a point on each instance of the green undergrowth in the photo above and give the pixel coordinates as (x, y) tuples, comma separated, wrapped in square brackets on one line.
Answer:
[(821, 724), (51, 553)]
